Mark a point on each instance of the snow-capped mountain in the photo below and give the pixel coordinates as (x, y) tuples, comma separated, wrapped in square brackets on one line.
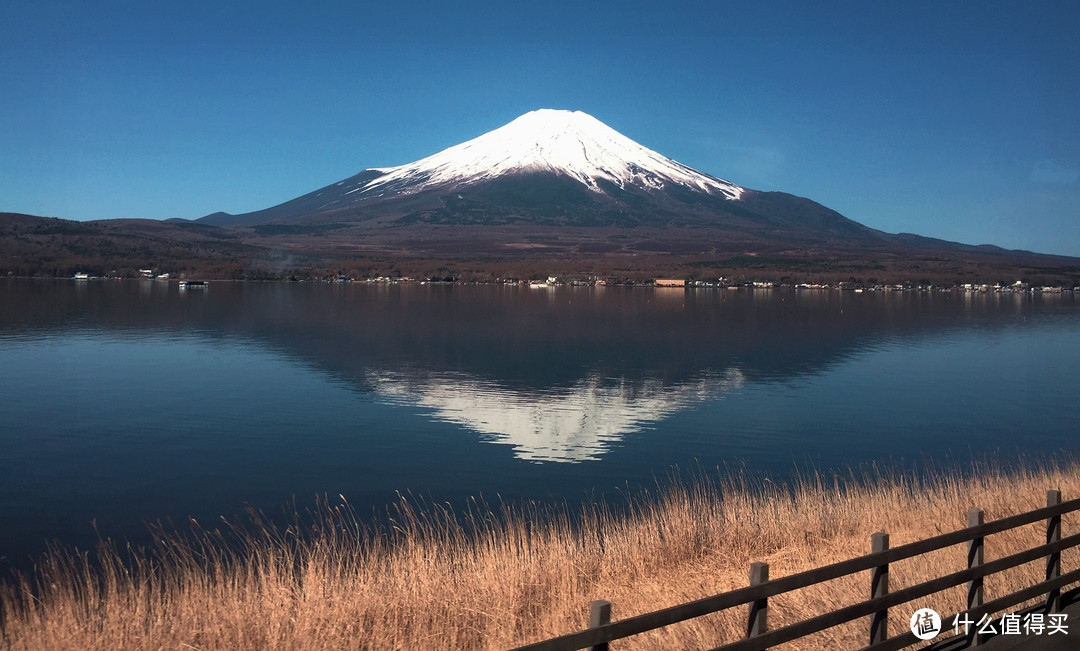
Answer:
[(551, 168)]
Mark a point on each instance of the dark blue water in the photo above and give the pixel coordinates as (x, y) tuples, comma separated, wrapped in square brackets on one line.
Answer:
[(132, 401)]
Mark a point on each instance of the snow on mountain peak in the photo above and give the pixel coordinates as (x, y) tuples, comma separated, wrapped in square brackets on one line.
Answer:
[(571, 143)]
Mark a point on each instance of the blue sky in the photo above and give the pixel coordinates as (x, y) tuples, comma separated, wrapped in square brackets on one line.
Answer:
[(958, 120)]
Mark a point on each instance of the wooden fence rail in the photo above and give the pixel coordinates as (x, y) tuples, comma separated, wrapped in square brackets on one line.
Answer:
[(602, 630)]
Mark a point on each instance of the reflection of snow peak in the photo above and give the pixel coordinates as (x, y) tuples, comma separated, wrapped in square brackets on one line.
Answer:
[(571, 425)]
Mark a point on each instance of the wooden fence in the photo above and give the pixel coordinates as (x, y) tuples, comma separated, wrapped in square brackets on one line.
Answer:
[(602, 630)]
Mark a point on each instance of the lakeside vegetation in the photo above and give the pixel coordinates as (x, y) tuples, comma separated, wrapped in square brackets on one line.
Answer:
[(55, 248), (496, 577)]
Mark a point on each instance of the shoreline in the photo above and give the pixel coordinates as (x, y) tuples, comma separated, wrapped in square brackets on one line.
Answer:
[(1018, 288), (495, 576)]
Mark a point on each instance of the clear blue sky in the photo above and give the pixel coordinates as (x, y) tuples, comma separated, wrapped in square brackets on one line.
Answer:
[(958, 120)]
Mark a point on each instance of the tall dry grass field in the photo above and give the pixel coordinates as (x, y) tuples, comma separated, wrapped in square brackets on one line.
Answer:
[(494, 578)]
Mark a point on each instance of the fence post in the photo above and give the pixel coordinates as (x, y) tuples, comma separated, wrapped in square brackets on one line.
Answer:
[(1053, 561), (758, 622), (879, 587), (599, 614), (975, 558)]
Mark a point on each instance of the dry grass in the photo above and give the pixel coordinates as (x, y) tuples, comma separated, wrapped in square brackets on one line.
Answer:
[(500, 577)]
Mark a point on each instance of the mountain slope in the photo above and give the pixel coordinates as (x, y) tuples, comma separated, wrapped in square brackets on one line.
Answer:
[(32, 245)]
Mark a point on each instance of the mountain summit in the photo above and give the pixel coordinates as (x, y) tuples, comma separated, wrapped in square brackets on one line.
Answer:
[(568, 143)]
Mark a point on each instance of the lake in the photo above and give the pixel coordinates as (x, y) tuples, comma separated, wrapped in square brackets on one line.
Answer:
[(132, 401)]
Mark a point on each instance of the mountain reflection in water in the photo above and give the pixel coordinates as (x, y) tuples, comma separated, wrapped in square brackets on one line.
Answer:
[(574, 423)]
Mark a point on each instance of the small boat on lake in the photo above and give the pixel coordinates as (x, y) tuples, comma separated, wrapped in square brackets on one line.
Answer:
[(194, 284)]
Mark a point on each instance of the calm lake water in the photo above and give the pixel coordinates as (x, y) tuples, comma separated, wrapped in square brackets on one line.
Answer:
[(132, 401)]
